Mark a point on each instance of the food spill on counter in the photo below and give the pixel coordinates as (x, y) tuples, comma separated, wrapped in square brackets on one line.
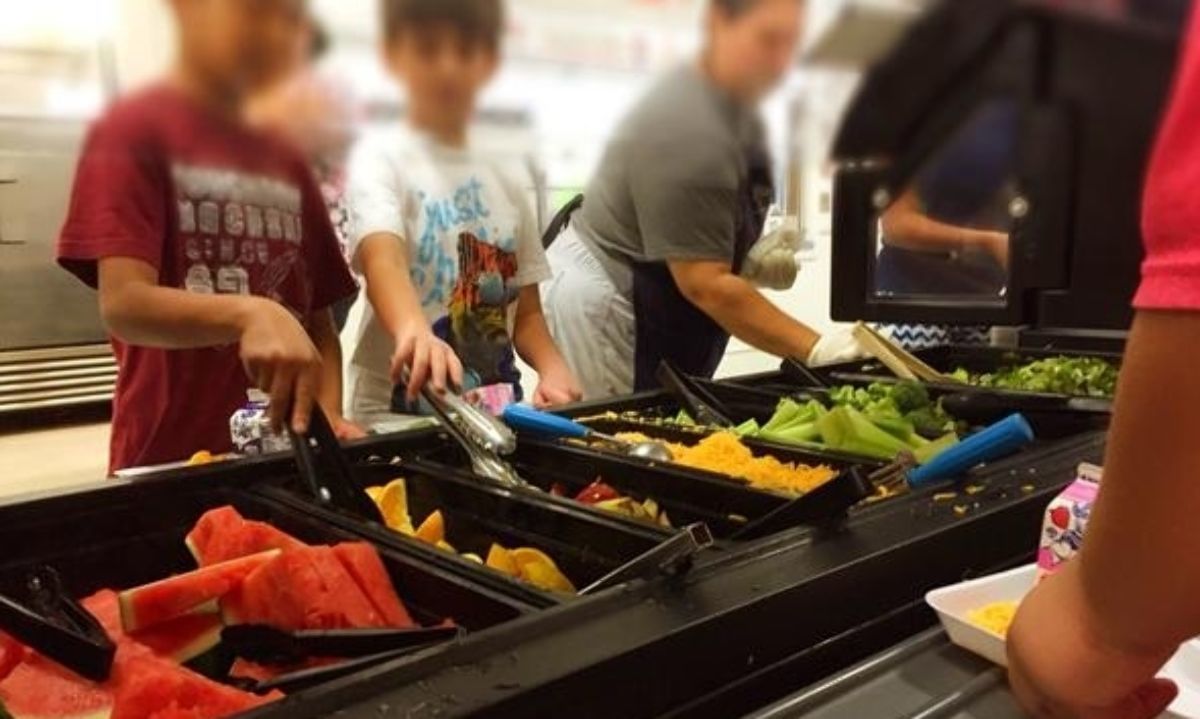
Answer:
[(995, 618), (724, 453), (204, 457), (248, 572), (525, 564), (604, 497), (1077, 376)]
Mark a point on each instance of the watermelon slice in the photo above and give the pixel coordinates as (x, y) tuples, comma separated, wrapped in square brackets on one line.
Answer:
[(302, 589), (105, 606), (223, 534), (362, 562), (184, 638), (195, 592), (39, 688), (12, 653), (143, 685), (154, 688)]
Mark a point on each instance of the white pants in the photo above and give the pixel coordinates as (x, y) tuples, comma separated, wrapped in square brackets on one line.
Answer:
[(592, 323)]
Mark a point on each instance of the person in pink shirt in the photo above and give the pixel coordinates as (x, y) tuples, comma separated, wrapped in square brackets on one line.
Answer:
[(1089, 641)]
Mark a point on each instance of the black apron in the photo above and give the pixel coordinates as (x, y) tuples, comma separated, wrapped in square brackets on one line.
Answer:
[(669, 327)]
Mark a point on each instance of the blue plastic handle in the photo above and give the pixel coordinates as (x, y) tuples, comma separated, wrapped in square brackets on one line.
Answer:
[(528, 419), (995, 442)]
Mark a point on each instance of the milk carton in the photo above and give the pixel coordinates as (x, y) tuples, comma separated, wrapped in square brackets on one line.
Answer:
[(1066, 520), (250, 427)]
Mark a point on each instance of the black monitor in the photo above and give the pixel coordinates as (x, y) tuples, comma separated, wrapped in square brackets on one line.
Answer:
[(991, 166)]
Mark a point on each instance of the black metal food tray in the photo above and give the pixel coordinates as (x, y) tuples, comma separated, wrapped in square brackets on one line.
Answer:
[(687, 496), (948, 358), (690, 435), (726, 616), (137, 537), (583, 545)]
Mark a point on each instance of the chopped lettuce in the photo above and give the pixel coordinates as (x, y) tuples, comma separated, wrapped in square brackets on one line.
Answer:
[(1077, 376)]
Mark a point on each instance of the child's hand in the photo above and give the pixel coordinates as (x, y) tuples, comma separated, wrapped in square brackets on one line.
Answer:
[(346, 430), (428, 359), (556, 387), (1062, 665), (281, 360)]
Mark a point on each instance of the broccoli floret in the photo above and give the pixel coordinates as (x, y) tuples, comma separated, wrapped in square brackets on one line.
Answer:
[(843, 395), (910, 396), (1086, 376), (930, 422)]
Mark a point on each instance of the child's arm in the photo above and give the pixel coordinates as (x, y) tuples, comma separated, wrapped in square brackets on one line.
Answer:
[(532, 340), (276, 351), (329, 346), (391, 293)]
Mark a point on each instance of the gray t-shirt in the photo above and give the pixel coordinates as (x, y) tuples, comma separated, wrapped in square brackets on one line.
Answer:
[(667, 187)]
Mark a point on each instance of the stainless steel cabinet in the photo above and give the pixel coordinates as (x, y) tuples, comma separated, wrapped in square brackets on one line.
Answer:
[(41, 305)]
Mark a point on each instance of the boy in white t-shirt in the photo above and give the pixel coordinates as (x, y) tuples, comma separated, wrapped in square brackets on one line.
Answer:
[(447, 244)]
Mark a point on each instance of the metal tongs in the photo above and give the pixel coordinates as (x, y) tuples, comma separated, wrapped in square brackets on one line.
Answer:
[(484, 438), (900, 361), (699, 403), (672, 557), (361, 648), (327, 472), (58, 627)]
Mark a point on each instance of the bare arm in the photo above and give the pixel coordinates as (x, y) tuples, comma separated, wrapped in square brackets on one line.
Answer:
[(325, 337), (741, 310), (1095, 634), (531, 336), (276, 351), (533, 342), (1138, 569), (906, 226), (392, 295), (137, 310), (389, 286)]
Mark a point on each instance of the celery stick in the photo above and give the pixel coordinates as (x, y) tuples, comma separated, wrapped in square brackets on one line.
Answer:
[(929, 452), (749, 428)]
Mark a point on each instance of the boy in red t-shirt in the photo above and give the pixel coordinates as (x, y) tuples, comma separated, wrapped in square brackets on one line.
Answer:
[(209, 244)]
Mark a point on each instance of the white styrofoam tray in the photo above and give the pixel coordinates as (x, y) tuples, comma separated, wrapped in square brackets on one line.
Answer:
[(953, 603)]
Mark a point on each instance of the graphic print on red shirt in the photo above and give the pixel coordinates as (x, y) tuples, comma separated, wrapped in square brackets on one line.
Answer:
[(216, 208)]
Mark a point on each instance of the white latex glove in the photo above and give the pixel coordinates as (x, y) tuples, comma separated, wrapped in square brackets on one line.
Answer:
[(836, 348), (772, 262)]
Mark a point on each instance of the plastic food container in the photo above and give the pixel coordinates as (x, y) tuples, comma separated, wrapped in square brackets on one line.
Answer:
[(687, 495), (134, 535), (953, 604), (584, 545)]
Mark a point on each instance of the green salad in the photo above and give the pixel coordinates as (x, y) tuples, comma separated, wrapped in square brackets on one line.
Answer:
[(1078, 376)]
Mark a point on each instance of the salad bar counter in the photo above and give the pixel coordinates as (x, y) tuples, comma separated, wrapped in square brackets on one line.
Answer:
[(612, 584), (755, 547)]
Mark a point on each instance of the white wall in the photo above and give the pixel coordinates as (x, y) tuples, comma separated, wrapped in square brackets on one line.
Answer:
[(144, 40)]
